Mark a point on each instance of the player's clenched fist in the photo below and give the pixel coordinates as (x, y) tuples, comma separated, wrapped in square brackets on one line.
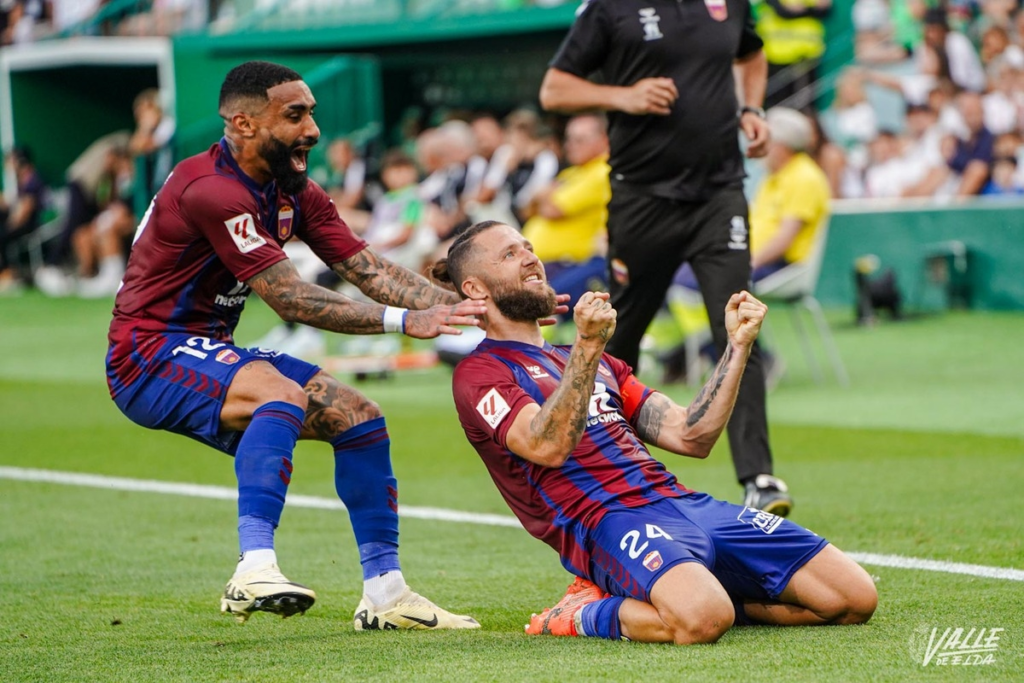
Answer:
[(438, 320), (594, 317), (743, 317)]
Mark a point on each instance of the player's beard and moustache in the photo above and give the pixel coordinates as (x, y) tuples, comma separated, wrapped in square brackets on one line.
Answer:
[(278, 156), (523, 304)]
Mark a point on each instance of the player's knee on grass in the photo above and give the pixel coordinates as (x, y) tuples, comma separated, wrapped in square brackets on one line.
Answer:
[(693, 604), (834, 587), (701, 624)]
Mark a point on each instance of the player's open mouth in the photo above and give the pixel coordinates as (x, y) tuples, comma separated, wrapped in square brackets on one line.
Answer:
[(299, 158), (533, 279)]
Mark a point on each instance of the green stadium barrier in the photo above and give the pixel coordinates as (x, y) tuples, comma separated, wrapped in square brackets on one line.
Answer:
[(965, 255)]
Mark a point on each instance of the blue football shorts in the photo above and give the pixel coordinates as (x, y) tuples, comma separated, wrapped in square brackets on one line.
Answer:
[(753, 554), (182, 388)]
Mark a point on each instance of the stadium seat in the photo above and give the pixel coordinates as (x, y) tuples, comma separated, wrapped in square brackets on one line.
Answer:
[(794, 287), (34, 242)]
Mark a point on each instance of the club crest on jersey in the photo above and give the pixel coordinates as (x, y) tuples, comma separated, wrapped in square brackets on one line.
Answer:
[(284, 223), (738, 233), (649, 20), (493, 408), (620, 271), (242, 229), (653, 561), (227, 357), (717, 9), (604, 371), (536, 371)]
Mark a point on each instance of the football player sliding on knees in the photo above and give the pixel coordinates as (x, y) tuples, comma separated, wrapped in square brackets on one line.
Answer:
[(564, 431)]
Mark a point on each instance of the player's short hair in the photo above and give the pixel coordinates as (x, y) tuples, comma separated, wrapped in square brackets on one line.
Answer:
[(452, 270), (252, 80)]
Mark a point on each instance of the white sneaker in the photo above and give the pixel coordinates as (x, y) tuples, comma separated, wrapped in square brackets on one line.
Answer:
[(52, 281), (98, 287), (305, 342), (273, 339), (265, 589), (409, 611)]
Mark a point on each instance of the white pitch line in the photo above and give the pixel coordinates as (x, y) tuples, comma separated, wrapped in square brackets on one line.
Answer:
[(439, 514)]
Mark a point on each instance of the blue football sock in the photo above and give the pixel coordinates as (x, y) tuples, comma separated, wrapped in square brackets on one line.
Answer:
[(367, 486), (263, 465), (600, 618)]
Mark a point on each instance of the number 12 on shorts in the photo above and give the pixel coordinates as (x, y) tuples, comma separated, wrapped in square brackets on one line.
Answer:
[(632, 538)]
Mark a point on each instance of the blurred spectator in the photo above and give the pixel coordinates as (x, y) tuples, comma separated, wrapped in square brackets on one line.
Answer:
[(968, 160), (1003, 103), (487, 191), (535, 163), (569, 217), (886, 32), (69, 14), (166, 18), (964, 66), (346, 175), (794, 41), (996, 46), (397, 229), (883, 176), (832, 161), (22, 20), (150, 144), (1003, 182), (854, 121), (91, 186), (443, 153), (20, 218)]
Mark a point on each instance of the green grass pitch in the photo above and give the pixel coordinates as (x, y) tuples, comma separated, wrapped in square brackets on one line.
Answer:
[(921, 457)]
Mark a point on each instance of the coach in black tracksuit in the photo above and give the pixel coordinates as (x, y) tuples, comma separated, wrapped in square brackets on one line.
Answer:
[(666, 74)]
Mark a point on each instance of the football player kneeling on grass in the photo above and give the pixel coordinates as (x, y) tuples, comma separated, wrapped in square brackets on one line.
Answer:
[(562, 430)]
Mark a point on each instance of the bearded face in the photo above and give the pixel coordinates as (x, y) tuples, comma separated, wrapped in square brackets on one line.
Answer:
[(287, 162), (523, 303)]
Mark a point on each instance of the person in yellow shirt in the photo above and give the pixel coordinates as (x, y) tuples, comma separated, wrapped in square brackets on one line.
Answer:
[(569, 218), (793, 32), (792, 203)]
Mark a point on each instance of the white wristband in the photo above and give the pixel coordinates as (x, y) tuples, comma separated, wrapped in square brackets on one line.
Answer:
[(394, 319)]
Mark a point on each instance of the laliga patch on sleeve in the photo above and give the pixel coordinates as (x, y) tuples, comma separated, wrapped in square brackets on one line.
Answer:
[(493, 408), (242, 229)]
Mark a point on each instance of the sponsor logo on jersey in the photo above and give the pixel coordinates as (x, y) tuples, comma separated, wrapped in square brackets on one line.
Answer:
[(284, 223), (492, 408), (758, 519), (649, 20), (738, 233), (717, 9), (227, 357), (653, 561), (536, 371), (242, 229)]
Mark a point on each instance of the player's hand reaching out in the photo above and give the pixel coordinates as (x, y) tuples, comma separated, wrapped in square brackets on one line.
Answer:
[(743, 317), (561, 306), (649, 96), (437, 320), (595, 318)]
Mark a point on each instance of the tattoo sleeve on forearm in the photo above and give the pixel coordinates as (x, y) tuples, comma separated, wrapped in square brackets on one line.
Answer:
[(296, 300), (652, 416), (392, 284), (563, 417), (702, 402)]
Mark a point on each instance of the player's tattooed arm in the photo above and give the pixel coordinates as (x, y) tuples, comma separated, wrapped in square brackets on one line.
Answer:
[(392, 284), (547, 434), (694, 430), (296, 300)]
